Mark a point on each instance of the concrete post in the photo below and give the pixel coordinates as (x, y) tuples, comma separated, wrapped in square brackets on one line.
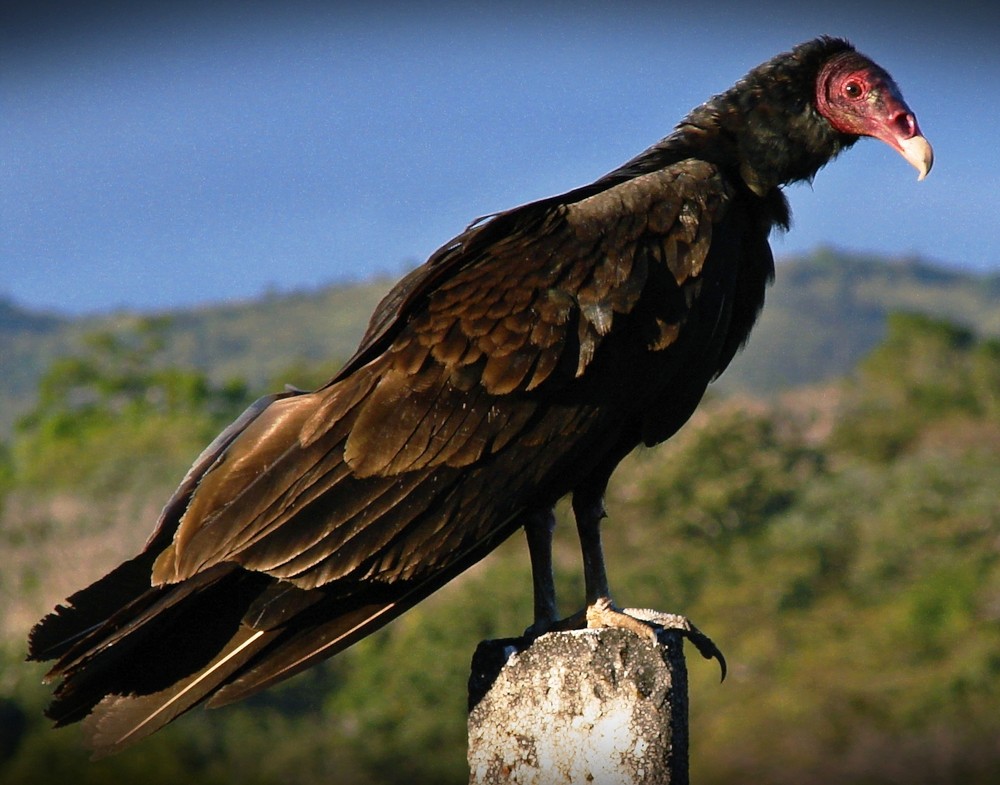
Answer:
[(606, 707)]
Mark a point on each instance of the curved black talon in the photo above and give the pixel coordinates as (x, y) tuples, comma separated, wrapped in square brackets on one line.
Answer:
[(642, 621), (673, 621)]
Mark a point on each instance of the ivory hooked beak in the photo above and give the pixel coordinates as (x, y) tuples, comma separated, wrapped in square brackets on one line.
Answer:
[(918, 151)]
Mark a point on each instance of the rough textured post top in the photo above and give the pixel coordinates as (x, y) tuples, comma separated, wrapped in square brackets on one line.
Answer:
[(594, 706)]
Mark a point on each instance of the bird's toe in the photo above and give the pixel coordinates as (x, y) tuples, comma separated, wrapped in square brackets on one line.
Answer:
[(648, 623)]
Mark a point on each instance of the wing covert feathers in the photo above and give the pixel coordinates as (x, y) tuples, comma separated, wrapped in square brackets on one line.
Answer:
[(319, 516), (519, 364)]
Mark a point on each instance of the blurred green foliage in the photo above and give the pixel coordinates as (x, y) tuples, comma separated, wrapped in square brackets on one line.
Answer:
[(115, 400), (845, 557), (825, 311), (926, 372)]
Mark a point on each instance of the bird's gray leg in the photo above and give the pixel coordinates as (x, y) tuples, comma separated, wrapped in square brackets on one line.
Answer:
[(589, 512), (538, 528), (601, 611)]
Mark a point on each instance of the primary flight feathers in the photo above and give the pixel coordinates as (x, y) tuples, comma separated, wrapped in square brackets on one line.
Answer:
[(519, 364)]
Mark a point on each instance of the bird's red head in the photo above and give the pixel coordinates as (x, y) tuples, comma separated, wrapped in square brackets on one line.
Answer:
[(858, 97)]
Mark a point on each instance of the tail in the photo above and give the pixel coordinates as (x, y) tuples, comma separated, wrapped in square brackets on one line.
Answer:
[(127, 671), (131, 658)]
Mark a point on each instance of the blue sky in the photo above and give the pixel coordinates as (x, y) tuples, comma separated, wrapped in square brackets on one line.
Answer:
[(155, 156)]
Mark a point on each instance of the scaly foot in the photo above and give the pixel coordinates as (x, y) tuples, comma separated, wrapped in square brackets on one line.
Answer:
[(647, 623), (644, 622)]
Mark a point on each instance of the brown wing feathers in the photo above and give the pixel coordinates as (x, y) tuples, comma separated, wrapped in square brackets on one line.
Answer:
[(520, 363), (373, 491)]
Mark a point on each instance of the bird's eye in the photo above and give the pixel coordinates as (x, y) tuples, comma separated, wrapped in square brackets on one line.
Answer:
[(853, 89)]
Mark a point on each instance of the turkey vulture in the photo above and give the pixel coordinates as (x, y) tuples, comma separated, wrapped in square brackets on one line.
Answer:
[(521, 363)]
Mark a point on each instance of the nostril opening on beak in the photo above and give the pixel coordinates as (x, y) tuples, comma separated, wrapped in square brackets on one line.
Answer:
[(906, 124)]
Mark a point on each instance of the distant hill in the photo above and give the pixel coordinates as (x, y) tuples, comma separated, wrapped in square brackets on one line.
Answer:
[(15, 320), (825, 311), (259, 340)]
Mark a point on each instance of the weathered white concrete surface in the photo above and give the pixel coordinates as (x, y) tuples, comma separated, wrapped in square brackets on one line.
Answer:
[(595, 706)]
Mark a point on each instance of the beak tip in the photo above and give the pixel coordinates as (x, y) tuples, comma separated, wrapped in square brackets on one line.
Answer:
[(919, 153)]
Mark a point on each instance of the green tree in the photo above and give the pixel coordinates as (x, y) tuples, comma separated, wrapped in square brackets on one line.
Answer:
[(927, 370), (733, 475), (116, 405)]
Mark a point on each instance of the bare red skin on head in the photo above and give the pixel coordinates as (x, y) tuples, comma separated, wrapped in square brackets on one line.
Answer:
[(858, 97)]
